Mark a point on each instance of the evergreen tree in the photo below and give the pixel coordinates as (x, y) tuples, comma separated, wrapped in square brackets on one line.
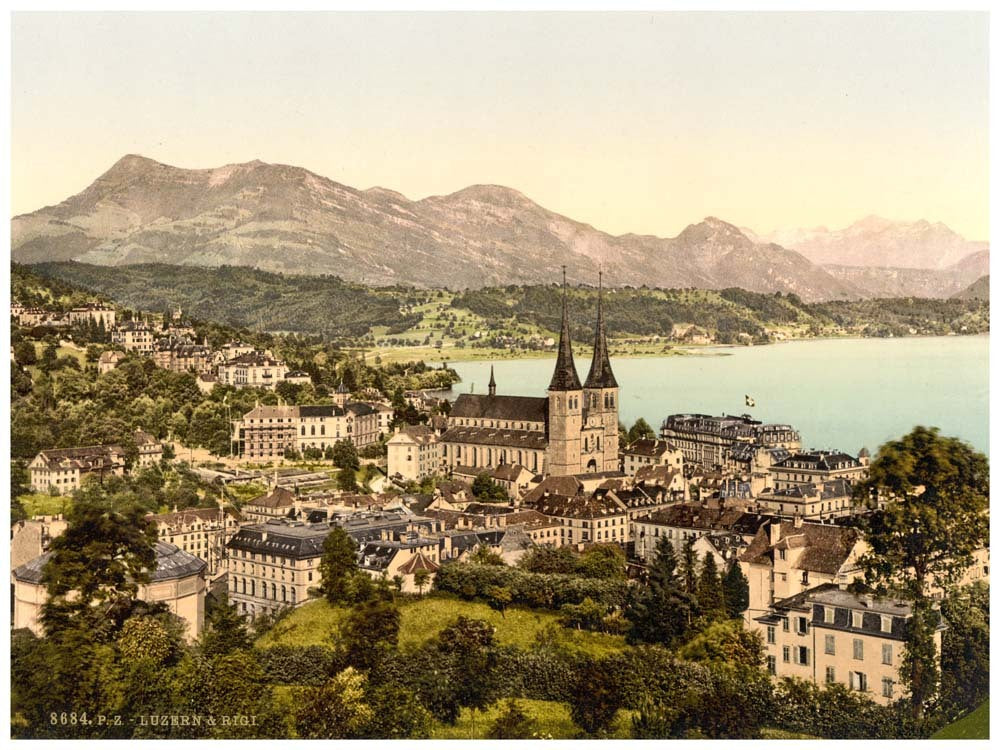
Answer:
[(736, 589), (338, 566), (661, 611), (711, 598), (226, 631), (687, 567)]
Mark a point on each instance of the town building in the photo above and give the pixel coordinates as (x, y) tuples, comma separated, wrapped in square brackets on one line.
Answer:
[(413, 453), (61, 470), (403, 557), (827, 634), (786, 558), (586, 518), (178, 581), (100, 315), (253, 370), (816, 467), (572, 430), (133, 336), (650, 452), (266, 432), (180, 354), (30, 538), (150, 450), (109, 360), (690, 522), (815, 501), (274, 565), (203, 532), (709, 441)]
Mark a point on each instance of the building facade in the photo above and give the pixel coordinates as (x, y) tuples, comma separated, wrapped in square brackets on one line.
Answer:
[(708, 441), (133, 337), (413, 453), (816, 467), (61, 470), (266, 432)]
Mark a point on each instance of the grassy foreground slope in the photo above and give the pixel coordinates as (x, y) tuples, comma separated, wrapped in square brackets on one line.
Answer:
[(974, 726), (315, 623)]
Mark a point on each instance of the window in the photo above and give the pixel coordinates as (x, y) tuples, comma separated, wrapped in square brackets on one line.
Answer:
[(887, 653), (801, 655), (859, 681), (886, 624), (828, 615), (772, 665), (803, 626), (770, 634), (830, 675), (887, 685), (785, 653), (781, 554), (829, 645), (859, 649), (856, 620)]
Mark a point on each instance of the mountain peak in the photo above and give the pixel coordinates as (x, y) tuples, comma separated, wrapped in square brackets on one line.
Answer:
[(133, 163)]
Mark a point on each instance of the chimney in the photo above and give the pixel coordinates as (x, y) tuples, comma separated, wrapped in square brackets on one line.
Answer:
[(774, 531)]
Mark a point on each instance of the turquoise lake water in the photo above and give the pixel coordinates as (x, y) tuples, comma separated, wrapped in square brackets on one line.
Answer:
[(839, 393)]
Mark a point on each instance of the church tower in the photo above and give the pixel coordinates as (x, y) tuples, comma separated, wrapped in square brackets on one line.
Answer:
[(565, 419), (600, 394)]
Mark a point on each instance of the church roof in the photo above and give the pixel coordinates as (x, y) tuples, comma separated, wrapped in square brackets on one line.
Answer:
[(600, 375), (496, 436), (512, 408), (564, 378)]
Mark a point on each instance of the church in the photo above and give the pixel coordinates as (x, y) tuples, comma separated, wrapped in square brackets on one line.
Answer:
[(571, 430)]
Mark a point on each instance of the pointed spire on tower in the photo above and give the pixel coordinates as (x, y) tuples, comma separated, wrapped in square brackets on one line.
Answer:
[(565, 378), (600, 375), (493, 383)]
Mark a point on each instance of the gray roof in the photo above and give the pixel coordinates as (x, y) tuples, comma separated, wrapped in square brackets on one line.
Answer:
[(564, 377), (299, 541), (511, 408), (600, 375), (171, 562)]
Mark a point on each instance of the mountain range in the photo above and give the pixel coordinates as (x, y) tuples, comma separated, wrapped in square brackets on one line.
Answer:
[(284, 218)]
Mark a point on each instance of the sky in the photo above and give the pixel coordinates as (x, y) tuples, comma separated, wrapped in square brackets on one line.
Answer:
[(632, 122)]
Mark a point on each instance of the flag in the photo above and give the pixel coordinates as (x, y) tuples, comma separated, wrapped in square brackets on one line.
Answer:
[(750, 401)]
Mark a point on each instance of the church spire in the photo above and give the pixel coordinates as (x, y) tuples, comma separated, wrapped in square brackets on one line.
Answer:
[(565, 378), (600, 375), (493, 383)]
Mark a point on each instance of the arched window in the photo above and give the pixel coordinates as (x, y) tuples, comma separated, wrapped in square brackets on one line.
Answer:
[(284, 596)]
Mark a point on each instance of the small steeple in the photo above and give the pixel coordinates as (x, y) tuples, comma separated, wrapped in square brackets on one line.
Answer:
[(565, 378), (493, 383), (600, 375), (342, 388)]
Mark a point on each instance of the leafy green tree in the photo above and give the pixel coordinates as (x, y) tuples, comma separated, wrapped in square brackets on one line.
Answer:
[(468, 651), (596, 699), (725, 642), (711, 598), (396, 713), (338, 565), (513, 723), (640, 430), (488, 491), (736, 589), (336, 710), (499, 598), (420, 579), (483, 555), (602, 561), (24, 353), (370, 631), (935, 493), (965, 648), (587, 615), (345, 455), (549, 560), (687, 567), (347, 481)]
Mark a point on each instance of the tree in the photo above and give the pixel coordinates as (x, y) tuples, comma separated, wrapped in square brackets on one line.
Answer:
[(725, 642), (736, 589), (338, 565), (347, 481), (602, 561), (499, 597), (711, 599), (483, 555), (544, 559), (345, 455), (396, 713), (488, 491), (24, 353), (226, 631), (596, 699), (640, 430), (468, 651), (687, 567), (370, 631), (513, 723), (420, 579), (661, 611), (100, 560), (935, 492), (965, 648)]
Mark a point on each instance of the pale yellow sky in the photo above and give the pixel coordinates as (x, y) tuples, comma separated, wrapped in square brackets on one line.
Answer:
[(631, 122)]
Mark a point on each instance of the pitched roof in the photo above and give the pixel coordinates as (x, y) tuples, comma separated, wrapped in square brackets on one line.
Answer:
[(648, 447), (495, 436), (171, 562), (279, 497), (556, 485), (419, 562), (511, 408), (821, 460), (696, 516), (655, 473), (294, 541), (580, 506), (826, 547)]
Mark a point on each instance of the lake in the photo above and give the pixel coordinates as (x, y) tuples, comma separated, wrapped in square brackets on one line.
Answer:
[(839, 393)]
